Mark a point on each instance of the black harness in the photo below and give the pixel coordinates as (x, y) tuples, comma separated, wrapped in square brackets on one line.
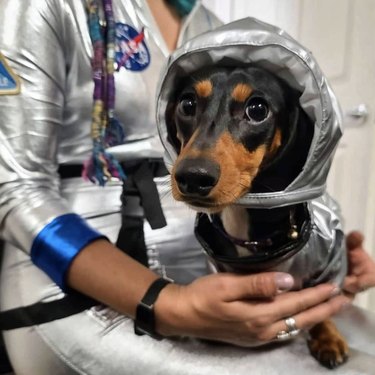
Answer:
[(266, 250)]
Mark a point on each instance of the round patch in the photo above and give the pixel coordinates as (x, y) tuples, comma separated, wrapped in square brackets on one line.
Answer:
[(131, 50)]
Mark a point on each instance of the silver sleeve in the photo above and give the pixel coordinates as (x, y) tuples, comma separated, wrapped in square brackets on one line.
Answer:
[(31, 40)]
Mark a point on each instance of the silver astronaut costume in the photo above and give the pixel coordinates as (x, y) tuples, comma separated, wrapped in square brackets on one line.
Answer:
[(46, 43), (322, 258)]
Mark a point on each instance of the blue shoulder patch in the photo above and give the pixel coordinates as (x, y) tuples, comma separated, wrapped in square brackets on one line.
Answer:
[(131, 50), (9, 82)]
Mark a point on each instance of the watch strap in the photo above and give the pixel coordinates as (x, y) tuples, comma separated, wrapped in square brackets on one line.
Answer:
[(145, 316)]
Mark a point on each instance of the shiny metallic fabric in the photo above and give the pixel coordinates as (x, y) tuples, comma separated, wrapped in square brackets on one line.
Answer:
[(250, 41), (47, 45), (318, 256), (54, 128)]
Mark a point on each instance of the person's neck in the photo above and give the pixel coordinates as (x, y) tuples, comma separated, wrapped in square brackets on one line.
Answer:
[(168, 21)]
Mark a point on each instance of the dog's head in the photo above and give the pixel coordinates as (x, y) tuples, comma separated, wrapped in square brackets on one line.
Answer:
[(227, 126)]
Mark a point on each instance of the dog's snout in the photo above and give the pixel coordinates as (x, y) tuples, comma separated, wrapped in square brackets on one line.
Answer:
[(197, 177)]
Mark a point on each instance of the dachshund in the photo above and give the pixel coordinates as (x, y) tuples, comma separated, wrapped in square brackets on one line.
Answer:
[(240, 130)]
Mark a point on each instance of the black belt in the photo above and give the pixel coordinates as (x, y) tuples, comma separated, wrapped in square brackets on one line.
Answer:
[(156, 166), (70, 170)]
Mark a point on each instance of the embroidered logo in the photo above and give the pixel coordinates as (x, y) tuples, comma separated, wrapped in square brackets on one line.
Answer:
[(9, 82), (131, 50)]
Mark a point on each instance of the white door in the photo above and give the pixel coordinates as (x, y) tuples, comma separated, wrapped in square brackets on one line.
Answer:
[(341, 35)]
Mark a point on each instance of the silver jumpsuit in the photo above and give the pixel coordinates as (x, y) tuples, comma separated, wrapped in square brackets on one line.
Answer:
[(46, 44), (46, 54)]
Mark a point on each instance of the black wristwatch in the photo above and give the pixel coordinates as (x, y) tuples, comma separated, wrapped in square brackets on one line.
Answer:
[(145, 317)]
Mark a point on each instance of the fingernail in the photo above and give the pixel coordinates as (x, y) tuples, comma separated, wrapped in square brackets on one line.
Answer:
[(284, 281), (335, 291)]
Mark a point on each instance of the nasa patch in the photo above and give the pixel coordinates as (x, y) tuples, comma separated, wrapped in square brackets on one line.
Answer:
[(9, 82), (131, 50)]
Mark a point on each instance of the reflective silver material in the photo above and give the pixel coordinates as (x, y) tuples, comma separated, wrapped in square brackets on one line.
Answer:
[(47, 44), (102, 342), (323, 258), (252, 41), (43, 41)]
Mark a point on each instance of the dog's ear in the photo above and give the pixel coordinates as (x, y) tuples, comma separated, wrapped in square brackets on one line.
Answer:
[(298, 123), (171, 126), (301, 131), (297, 134)]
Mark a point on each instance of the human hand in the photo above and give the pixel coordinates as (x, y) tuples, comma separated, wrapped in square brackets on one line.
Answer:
[(361, 271), (244, 310)]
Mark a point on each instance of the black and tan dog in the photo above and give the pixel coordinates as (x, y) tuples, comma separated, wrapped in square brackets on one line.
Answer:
[(237, 131)]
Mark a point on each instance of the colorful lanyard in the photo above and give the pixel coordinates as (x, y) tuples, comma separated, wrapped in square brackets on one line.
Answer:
[(106, 130)]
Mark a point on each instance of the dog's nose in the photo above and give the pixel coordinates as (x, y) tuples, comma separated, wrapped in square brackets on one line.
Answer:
[(197, 177)]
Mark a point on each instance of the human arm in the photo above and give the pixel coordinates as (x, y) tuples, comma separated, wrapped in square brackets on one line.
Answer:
[(242, 310), (34, 123)]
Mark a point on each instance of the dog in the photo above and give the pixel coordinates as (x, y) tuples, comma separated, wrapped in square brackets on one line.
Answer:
[(240, 130)]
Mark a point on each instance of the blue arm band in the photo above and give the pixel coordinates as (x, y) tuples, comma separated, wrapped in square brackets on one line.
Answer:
[(56, 245)]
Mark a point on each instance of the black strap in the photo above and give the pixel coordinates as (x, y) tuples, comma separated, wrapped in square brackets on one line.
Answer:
[(44, 312), (131, 239), (144, 322), (70, 170), (139, 189), (150, 201)]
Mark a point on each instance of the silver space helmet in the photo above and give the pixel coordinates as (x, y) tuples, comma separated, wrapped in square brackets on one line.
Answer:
[(250, 41)]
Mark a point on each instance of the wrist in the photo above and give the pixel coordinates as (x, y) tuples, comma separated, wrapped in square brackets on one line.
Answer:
[(145, 322), (168, 315)]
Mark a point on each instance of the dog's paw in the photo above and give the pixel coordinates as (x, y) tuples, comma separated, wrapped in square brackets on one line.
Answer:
[(328, 346), (330, 353)]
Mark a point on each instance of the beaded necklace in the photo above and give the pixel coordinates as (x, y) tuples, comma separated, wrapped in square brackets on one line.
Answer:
[(106, 131)]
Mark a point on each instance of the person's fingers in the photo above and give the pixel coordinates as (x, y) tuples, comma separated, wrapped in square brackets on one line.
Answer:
[(294, 302), (262, 285), (350, 295), (354, 239), (263, 313), (351, 284), (357, 284), (309, 318), (366, 281), (321, 312)]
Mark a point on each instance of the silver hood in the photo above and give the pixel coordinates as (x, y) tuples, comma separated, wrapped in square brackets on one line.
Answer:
[(250, 41)]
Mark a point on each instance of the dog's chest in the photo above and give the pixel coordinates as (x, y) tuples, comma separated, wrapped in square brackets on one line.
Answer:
[(236, 223)]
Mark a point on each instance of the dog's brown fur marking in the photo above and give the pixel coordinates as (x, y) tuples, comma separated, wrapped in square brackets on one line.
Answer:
[(241, 92), (203, 88), (276, 142), (238, 167), (327, 344), (186, 151)]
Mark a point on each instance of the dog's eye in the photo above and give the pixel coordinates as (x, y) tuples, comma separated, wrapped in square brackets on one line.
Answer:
[(256, 109), (188, 104)]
